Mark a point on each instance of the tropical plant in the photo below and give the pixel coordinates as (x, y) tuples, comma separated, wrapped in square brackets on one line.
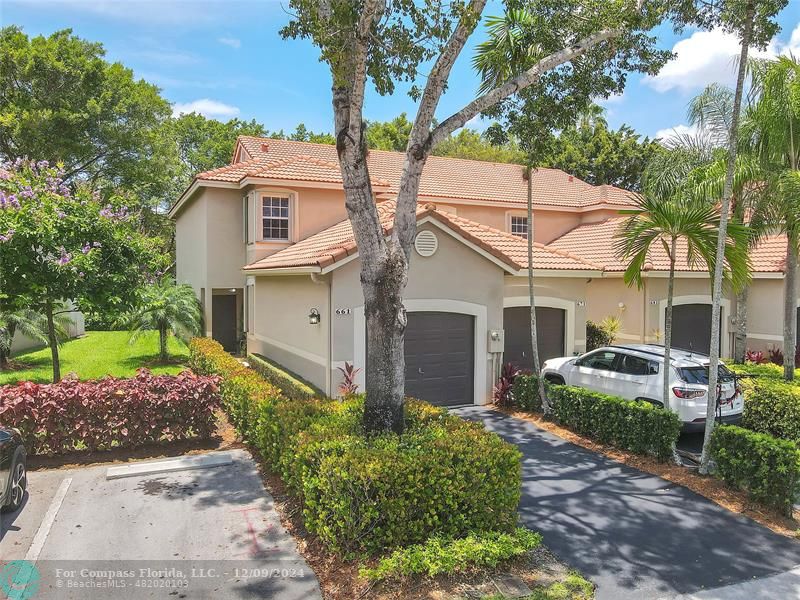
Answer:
[(31, 324), (502, 392), (166, 307), (348, 386), (756, 357), (678, 224)]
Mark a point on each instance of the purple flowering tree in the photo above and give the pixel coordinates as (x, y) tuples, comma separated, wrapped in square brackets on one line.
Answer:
[(60, 245)]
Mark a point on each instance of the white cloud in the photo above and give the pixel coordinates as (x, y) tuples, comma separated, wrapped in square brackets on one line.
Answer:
[(710, 56), (232, 42), (206, 107), (178, 12), (665, 135)]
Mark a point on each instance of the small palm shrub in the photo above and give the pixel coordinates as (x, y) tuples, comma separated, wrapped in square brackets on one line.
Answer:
[(168, 308)]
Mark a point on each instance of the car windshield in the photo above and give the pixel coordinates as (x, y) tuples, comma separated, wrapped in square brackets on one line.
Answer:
[(700, 374)]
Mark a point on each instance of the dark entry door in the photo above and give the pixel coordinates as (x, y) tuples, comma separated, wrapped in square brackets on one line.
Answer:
[(223, 321), (440, 356), (691, 327), (550, 333)]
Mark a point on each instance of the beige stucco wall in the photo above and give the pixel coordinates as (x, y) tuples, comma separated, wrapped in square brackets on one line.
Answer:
[(191, 233), (281, 330), (454, 274), (209, 245), (765, 314)]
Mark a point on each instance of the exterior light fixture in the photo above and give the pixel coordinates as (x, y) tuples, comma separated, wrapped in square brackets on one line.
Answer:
[(314, 317)]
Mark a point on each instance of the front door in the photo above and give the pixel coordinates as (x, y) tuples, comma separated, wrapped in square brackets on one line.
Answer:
[(223, 321)]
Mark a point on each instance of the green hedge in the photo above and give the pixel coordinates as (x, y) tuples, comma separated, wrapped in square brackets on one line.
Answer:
[(525, 393), (636, 426), (442, 555), (444, 477), (772, 406), (292, 386), (767, 467)]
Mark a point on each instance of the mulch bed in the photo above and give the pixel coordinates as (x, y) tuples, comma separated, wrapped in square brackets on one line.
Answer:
[(709, 487)]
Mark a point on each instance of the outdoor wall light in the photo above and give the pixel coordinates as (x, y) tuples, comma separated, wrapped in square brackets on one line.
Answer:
[(314, 317)]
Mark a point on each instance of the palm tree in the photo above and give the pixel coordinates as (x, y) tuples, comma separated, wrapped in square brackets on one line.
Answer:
[(165, 307), (670, 222), (31, 324), (771, 131)]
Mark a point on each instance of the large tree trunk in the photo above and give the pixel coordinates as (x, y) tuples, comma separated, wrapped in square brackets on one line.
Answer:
[(668, 325), (790, 312), (532, 298), (727, 192), (52, 340), (740, 339)]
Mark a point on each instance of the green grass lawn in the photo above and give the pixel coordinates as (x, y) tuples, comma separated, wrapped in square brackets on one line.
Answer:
[(97, 354)]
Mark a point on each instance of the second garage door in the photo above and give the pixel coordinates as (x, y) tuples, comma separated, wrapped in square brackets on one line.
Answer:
[(440, 357), (691, 327), (550, 327)]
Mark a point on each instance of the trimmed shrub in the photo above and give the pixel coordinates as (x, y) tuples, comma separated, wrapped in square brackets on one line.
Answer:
[(525, 394), (246, 397), (439, 555), (292, 386), (772, 406), (762, 370), (636, 426), (444, 476), (111, 413), (766, 467)]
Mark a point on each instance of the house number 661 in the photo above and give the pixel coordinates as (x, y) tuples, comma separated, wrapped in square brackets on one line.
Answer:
[(343, 311)]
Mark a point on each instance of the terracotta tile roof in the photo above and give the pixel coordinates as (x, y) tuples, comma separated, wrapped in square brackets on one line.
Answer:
[(595, 242), (442, 178), (337, 242)]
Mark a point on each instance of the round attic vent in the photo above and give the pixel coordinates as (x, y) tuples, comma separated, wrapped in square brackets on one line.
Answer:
[(426, 243)]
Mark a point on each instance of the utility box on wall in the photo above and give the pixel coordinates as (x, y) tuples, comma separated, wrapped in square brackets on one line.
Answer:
[(497, 340)]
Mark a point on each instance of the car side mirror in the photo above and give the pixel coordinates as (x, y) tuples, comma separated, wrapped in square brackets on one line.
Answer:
[(652, 369)]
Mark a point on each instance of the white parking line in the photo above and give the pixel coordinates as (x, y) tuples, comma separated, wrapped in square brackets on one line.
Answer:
[(47, 522)]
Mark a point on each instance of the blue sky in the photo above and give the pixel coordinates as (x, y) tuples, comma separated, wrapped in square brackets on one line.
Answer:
[(226, 59)]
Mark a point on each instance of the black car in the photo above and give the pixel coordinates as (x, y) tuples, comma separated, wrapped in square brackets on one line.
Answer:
[(13, 475)]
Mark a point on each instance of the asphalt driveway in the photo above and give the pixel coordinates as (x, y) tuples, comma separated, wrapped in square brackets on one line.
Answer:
[(207, 533), (634, 534)]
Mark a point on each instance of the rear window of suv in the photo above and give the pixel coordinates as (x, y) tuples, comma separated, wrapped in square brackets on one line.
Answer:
[(700, 374)]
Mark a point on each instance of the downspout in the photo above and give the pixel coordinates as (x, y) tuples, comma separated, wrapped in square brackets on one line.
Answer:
[(320, 280), (644, 310)]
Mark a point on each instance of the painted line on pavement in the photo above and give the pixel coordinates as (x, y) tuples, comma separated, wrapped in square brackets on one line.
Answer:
[(47, 522)]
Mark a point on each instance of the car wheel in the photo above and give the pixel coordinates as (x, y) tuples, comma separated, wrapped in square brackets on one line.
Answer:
[(554, 379), (17, 483)]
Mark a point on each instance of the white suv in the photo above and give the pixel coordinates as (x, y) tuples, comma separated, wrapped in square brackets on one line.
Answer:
[(634, 372)]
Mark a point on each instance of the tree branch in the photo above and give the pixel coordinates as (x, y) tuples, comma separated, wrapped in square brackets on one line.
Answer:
[(418, 142), (518, 83)]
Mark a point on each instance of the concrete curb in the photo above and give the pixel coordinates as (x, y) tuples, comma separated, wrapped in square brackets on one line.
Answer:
[(170, 465)]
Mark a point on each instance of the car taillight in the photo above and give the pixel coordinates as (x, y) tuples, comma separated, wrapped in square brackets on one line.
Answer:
[(687, 393)]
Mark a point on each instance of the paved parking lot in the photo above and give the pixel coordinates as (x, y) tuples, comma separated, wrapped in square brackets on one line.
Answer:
[(208, 533)]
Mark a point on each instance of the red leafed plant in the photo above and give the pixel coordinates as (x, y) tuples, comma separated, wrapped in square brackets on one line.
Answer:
[(776, 356), (755, 356), (348, 387), (502, 389), (110, 413)]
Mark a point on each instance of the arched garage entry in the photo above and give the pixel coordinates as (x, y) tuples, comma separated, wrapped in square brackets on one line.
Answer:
[(446, 339), (691, 323), (550, 334)]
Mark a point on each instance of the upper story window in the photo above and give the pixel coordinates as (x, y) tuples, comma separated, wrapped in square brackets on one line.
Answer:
[(274, 217), (519, 226)]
